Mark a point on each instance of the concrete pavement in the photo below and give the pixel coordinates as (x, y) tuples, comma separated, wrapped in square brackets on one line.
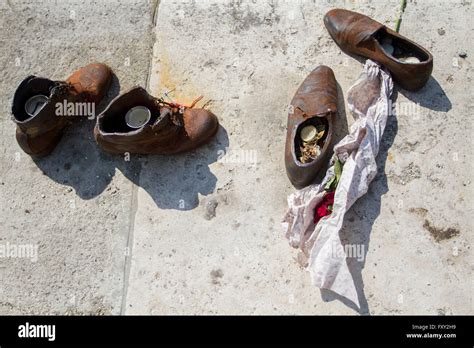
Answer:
[(200, 233)]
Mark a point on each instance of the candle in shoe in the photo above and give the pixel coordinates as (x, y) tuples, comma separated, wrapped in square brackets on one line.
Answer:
[(137, 117)]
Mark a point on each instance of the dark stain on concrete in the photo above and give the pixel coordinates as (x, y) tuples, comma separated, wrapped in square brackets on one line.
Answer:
[(419, 211), (440, 234)]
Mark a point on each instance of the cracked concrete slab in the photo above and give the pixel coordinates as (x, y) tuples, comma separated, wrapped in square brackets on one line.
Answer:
[(207, 237)]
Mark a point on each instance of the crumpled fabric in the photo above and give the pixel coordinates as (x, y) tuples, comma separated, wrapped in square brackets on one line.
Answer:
[(322, 251)]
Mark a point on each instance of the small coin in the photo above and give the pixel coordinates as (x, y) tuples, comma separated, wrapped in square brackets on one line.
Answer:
[(308, 133)]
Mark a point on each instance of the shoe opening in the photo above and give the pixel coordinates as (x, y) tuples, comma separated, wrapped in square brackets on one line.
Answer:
[(310, 139), (401, 50), (113, 120)]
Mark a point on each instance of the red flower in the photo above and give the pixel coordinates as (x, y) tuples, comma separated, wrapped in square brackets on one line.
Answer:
[(324, 207)]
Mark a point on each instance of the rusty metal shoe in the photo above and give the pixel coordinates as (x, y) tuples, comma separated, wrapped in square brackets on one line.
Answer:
[(169, 128), (410, 64), (311, 123), (36, 100)]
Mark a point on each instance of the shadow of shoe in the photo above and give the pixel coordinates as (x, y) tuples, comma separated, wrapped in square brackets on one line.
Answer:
[(175, 182), (78, 162), (358, 222), (431, 96)]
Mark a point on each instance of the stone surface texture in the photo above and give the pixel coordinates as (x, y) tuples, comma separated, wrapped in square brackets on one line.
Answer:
[(200, 233)]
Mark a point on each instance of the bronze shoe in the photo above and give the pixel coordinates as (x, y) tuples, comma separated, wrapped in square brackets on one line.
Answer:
[(34, 109), (410, 64), (314, 107), (169, 129)]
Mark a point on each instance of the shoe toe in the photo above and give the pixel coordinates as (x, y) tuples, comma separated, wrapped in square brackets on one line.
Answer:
[(92, 81), (201, 124)]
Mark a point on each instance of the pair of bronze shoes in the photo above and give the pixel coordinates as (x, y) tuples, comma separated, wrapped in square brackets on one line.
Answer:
[(40, 111), (313, 112)]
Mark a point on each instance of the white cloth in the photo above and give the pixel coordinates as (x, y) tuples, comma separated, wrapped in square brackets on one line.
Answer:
[(322, 250)]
